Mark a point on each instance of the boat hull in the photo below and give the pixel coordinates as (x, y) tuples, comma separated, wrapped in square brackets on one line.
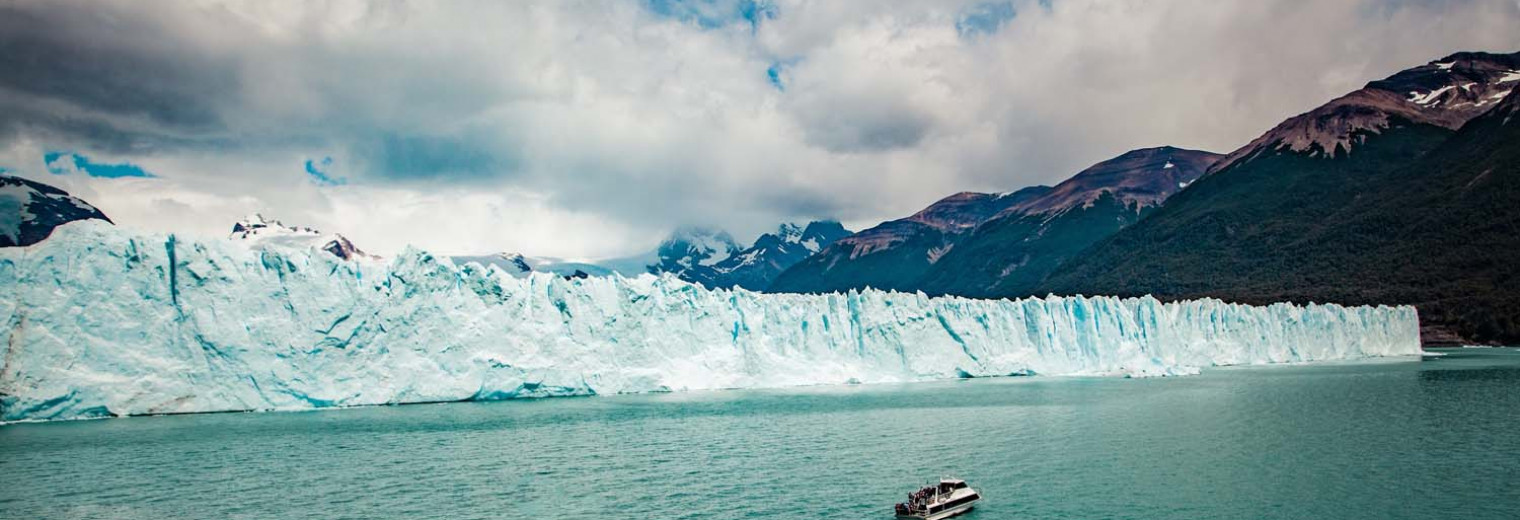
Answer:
[(963, 508)]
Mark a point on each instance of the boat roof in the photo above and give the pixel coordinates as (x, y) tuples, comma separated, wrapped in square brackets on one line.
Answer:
[(951, 481)]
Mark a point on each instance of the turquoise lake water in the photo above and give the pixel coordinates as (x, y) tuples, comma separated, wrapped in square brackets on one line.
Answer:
[(1387, 439)]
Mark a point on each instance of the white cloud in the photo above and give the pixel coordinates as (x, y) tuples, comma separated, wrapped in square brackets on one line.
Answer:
[(586, 128)]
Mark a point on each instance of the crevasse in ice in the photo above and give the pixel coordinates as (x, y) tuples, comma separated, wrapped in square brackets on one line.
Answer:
[(103, 321)]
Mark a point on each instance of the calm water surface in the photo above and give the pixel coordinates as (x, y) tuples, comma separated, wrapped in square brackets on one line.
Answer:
[(1432, 438)]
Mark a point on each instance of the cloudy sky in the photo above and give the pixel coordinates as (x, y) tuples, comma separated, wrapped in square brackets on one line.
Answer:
[(589, 129)]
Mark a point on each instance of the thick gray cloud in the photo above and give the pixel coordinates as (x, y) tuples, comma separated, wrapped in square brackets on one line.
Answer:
[(586, 128)]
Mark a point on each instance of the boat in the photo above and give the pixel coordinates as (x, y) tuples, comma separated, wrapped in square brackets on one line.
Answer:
[(949, 498)]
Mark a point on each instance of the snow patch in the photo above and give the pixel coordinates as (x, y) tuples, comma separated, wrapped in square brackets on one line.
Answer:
[(1429, 98)]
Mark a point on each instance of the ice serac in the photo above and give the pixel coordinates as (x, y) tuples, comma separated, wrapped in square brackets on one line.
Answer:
[(106, 322)]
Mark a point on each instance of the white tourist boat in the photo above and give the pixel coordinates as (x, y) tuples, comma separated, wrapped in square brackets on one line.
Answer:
[(949, 498)]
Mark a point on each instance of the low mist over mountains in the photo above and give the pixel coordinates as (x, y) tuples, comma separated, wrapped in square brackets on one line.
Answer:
[(756, 267)]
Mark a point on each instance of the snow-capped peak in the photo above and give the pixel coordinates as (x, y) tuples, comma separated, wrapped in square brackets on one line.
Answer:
[(1462, 83), (515, 261), (1445, 93), (260, 231), (711, 257), (256, 225), (693, 246), (790, 233)]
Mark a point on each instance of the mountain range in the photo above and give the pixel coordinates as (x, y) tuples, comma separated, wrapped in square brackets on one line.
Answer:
[(754, 267), (979, 244), (895, 254), (700, 255), (1406, 191), (1401, 192)]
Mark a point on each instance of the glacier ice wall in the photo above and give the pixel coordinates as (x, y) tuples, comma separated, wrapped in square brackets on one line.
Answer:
[(102, 321)]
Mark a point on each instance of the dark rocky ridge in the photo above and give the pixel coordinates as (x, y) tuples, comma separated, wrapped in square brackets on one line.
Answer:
[(1011, 253), (30, 210), (757, 266), (897, 253)]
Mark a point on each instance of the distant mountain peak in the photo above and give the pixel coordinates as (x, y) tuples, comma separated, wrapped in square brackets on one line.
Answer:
[(820, 233), (259, 230), (690, 247), (1139, 178), (514, 263), (712, 258), (256, 224), (965, 210), (790, 232)]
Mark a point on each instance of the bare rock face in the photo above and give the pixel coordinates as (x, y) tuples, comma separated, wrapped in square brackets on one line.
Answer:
[(1139, 178), (964, 210), (30, 210), (1447, 93)]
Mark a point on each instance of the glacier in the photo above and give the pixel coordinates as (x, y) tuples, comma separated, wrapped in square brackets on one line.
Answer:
[(103, 321)]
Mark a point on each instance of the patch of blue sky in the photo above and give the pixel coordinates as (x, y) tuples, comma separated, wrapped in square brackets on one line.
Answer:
[(713, 14), (62, 163), (777, 73), (757, 11), (320, 172), (986, 18)]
